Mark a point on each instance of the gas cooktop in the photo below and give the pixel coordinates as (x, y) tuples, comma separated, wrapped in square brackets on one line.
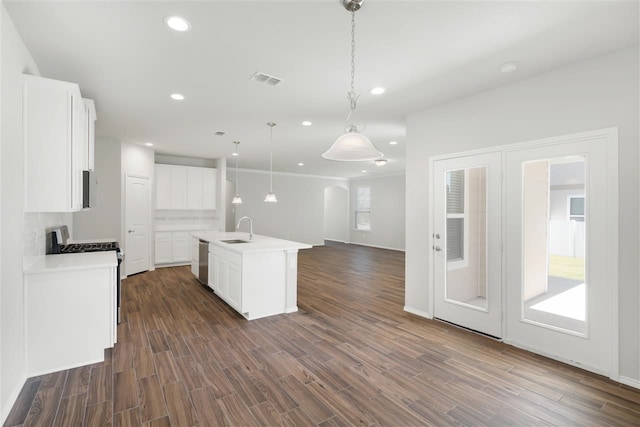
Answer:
[(73, 248)]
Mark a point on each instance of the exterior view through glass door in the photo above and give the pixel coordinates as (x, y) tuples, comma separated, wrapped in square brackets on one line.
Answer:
[(466, 242), (559, 297), (553, 259)]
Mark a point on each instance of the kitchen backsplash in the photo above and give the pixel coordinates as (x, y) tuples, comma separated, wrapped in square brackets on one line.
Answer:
[(176, 219), (35, 225)]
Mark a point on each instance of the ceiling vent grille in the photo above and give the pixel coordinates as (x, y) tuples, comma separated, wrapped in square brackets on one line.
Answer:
[(266, 79), (220, 133)]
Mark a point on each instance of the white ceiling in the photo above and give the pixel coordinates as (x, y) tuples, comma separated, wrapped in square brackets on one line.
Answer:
[(423, 52)]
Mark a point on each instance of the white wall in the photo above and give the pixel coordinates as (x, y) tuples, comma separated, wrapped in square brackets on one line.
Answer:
[(15, 58), (23, 235), (299, 213), (595, 94), (336, 214), (387, 212), (103, 220)]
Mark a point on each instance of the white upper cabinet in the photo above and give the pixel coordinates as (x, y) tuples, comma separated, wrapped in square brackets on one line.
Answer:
[(185, 187), (90, 116), (209, 181), (178, 187), (163, 187), (55, 145), (195, 184)]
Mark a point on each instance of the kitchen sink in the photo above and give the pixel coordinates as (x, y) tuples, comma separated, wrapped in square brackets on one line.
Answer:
[(234, 241)]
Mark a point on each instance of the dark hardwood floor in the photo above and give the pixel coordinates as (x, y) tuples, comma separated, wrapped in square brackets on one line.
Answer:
[(350, 356)]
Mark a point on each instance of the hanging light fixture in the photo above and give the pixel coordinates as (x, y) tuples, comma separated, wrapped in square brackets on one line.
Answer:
[(237, 199), (271, 198), (352, 146)]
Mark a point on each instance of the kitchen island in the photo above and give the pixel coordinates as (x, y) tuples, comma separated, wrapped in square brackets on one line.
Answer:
[(257, 277)]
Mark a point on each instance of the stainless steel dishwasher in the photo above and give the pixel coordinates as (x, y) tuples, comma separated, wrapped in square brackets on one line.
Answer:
[(203, 262)]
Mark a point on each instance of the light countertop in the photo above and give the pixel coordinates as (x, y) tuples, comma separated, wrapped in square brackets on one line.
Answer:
[(71, 262), (257, 244), (184, 228)]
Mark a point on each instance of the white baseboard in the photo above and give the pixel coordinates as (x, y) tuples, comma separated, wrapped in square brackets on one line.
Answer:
[(558, 358), (417, 312), (171, 264), (291, 309), (335, 240), (629, 381), (376, 246), (12, 399)]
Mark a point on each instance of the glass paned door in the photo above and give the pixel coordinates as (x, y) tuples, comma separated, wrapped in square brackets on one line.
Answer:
[(466, 242), (558, 294)]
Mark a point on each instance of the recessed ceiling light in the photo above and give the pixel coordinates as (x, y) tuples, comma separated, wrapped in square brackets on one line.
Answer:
[(363, 171), (149, 144), (177, 96), (509, 67), (381, 162), (393, 142), (300, 164), (177, 23), (306, 123), (377, 91), (235, 154)]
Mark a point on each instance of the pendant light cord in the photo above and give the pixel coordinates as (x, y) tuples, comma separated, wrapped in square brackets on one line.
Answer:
[(271, 158), (351, 95)]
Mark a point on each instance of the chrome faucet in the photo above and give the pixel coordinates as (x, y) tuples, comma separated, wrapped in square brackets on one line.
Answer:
[(250, 226)]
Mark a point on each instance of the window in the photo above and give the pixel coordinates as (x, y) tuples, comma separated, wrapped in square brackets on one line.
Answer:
[(457, 227), (363, 208), (576, 208)]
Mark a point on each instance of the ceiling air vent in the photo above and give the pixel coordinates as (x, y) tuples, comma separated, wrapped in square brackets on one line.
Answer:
[(266, 79), (220, 133)]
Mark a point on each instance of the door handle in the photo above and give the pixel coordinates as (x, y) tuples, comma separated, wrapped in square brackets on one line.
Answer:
[(130, 231)]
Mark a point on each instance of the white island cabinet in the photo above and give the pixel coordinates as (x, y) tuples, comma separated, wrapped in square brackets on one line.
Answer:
[(70, 315), (257, 278)]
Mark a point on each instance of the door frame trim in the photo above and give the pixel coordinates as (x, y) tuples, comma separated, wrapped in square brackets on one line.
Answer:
[(124, 220), (611, 136)]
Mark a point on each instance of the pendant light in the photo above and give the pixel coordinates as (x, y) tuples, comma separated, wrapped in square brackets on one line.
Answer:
[(271, 198), (352, 146), (237, 199)]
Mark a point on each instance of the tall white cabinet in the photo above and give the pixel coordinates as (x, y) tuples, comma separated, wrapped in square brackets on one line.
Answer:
[(58, 137), (181, 188), (185, 187)]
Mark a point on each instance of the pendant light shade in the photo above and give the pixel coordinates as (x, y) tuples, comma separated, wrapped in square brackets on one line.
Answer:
[(352, 146), (270, 198), (237, 199)]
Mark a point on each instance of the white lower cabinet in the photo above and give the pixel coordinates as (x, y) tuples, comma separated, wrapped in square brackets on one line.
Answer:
[(234, 285), (225, 275), (180, 246), (70, 318), (163, 247), (195, 256), (172, 247), (253, 284)]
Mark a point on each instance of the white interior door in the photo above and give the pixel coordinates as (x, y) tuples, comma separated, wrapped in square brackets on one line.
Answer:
[(559, 291), (467, 242), (137, 225)]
